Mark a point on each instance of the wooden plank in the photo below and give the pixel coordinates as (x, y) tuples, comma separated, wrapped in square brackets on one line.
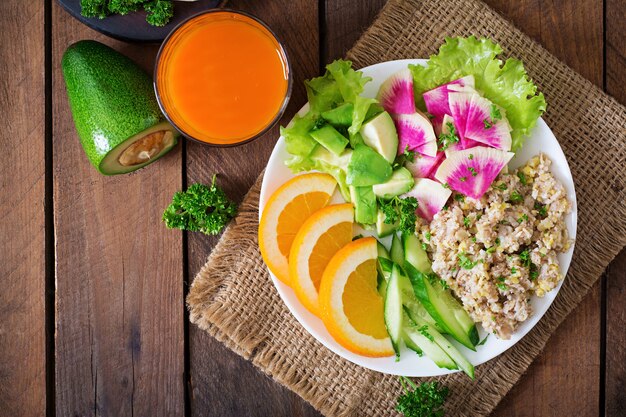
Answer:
[(564, 380), (22, 228), (615, 374), (119, 298), (222, 383), (345, 21)]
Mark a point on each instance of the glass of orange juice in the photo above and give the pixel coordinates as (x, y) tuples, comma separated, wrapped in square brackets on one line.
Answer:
[(222, 77)]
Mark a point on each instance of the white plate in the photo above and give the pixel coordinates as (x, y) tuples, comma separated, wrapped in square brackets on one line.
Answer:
[(541, 140)]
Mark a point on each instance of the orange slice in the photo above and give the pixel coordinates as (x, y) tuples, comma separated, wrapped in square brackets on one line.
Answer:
[(285, 211), (318, 240), (352, 308)]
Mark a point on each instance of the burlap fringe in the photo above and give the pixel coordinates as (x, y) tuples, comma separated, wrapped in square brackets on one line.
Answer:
[(233, 299)]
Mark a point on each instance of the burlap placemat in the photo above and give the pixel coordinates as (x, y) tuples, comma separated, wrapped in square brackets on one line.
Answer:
[(234, 300)]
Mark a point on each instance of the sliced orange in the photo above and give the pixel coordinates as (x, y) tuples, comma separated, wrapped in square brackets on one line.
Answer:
[(352, 308), (318, 240), (285, 211)]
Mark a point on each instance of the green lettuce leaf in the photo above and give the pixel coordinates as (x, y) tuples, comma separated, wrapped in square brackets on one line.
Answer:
[(324, 161), (506, 85)]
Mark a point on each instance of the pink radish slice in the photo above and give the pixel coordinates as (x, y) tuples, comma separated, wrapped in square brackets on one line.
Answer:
[(436, 100), (431, 196), (424, 166), (481, 128), (460, 106), (415, 132), (396, 93), (471, 171), (463, 143)]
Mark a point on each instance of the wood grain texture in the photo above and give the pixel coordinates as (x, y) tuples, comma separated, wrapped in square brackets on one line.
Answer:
[(22, 224), (345, 20), (119, 291), (564, 380), (615, 374), (222, 383)]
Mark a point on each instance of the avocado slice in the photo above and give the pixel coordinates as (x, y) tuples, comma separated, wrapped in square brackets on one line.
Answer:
[(340, 116), (364, 202), (367, 167), (401, 181), (116, 114), (380, 133), (330, 138)]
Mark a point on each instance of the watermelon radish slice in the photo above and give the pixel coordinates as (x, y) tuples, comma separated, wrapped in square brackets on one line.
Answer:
[(487, 123), (424, 166), (431, 197), (471, 171), (416, 133), (460, 107), (436, 100), (396, 93), (463, 143)]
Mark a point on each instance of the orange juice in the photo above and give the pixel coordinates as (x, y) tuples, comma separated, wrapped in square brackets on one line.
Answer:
[(222, 77)]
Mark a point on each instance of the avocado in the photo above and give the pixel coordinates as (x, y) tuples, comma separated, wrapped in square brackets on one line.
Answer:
[(330, 138), (364, 202), (401, 181), (116, 114), (380, 133), (340, 116), (367, 167), (383, 229)]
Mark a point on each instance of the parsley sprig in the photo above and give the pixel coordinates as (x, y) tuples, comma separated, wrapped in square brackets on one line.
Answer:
[(446, 139), (201, 208), (401, 211), (424, 400), (494, 115)]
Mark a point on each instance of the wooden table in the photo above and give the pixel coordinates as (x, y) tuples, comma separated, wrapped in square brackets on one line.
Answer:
[(92, 315)]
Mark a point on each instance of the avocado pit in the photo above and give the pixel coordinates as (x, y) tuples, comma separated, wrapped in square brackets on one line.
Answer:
[(146, 148)]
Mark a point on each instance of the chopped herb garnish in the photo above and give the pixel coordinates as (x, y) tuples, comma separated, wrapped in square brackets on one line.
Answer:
[(409, 155), (444, 284), (523, 218), (445, 185), (400, 210), (447, 139), (516, 197), (514, 270), (465, 262), (463, 179), (495, 113), (473, 171), (501, 186), (541, 209), (424, 331), (474, 239), (491, 249), (534, 272), (522, 178), (502, 287), (524, 257), (487, 123), (467, 222), (427, 235), (424, 246), (471, 156), (459, 197), (497, 241)]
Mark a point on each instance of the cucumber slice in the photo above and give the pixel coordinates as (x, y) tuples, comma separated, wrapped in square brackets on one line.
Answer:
[(426, 345), (414, 254), (382, 251), (382, 284), (410, 344), (443, 307), (393, 309), (396, 252), (453, 353)]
